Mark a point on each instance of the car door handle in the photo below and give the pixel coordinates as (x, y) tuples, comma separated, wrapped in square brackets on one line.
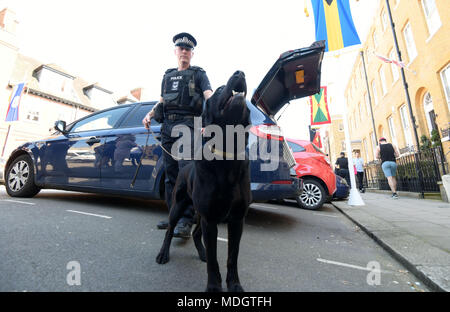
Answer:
[(93, 140)]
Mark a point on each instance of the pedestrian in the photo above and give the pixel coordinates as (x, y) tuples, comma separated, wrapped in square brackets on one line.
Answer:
[(359, 166), (342, 165), (183, 92), (388, 152)]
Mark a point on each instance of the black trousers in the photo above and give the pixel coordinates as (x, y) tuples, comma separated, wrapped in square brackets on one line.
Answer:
[(171, 165), (360, 176)]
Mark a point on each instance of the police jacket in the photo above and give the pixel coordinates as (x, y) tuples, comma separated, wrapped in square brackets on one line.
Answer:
[(182, 91)]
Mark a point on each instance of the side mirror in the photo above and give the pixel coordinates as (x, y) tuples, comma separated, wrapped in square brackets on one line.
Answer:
[(60, 125)]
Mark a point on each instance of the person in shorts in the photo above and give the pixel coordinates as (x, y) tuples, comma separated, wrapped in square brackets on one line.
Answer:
[(387, 152)]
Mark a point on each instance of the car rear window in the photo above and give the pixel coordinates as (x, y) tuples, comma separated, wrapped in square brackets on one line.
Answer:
[(135, 118), (295, 147)]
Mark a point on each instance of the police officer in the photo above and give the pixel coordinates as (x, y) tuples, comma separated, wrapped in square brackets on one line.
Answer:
[(183, 91)]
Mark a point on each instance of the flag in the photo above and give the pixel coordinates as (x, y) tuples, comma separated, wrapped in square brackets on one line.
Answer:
[(319, 108), (334, 24), (14, 101), (387, 60), (317, 141)]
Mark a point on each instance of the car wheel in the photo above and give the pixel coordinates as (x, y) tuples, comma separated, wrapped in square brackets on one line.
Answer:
[(19, 178), (313, 195)]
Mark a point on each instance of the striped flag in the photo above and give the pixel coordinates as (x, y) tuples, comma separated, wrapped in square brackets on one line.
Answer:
[(334, 24), (14, 101), (387, 60), (319, 108)]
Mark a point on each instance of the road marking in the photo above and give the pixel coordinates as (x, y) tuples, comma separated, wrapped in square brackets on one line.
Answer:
[(90, 214), (350, 266), (19, 202), (260, 206), (222, 239), (325, 215)]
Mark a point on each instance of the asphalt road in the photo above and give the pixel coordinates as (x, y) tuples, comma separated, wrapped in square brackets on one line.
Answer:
[(114, 241)]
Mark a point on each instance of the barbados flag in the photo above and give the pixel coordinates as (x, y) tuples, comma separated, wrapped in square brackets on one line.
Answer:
[(14, 101), (334, 24), (319, 108)]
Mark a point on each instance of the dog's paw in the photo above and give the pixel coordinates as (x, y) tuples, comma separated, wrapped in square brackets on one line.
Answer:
[(162, 258), (213, 288), (235, 287)]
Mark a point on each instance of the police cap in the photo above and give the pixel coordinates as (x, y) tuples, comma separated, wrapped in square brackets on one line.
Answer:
[(184, 40)]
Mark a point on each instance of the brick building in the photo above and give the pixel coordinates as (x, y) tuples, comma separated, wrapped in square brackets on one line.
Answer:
[(423, 29)]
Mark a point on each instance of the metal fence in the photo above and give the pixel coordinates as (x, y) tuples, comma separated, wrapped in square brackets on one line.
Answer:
[(417, 171)]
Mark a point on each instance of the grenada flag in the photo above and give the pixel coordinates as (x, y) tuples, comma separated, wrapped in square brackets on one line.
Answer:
[(334, 24), (319, 108)]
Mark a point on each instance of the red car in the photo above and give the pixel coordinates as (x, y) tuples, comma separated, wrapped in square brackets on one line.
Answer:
[(313, 166)]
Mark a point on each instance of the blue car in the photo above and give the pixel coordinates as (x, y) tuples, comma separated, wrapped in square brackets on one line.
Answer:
[(101, 152), (342, 188)]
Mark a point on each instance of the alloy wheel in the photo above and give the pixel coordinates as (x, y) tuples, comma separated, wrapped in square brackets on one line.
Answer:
[(311, 194), (18, 176)]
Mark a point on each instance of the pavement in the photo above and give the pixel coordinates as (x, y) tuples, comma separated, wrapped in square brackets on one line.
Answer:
[(414, 231)]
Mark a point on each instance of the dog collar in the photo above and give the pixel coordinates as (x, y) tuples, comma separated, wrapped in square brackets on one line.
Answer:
[(223, 154)]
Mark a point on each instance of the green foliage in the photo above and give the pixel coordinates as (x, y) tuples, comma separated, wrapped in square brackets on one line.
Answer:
[(436, 138), (425, 142)]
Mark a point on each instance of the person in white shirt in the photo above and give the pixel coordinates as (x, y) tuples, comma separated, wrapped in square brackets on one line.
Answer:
[(359, 165)]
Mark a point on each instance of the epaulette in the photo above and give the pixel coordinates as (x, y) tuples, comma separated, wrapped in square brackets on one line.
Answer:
[(197, 68), (170, 70)]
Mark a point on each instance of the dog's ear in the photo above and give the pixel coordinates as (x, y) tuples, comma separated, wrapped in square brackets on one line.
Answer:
[(211, 106)]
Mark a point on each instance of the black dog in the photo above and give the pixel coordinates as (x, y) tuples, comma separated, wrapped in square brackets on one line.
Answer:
[(218, 189)]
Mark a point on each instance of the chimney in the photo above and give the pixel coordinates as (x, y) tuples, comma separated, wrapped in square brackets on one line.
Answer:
[(136, 93), (8, 20)]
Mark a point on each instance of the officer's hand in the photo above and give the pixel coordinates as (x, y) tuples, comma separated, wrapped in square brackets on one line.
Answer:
[(147, 119)]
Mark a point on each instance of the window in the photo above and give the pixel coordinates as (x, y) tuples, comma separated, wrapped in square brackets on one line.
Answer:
[(295, 147), (360, 111), (375, 40), (445, 76), (135, 119), (384, 20), (103, 120), (409, 41), (406, 126), (394, 68), (392, 131), (366, 98), (431, 16), (429, 112), (366, 150), (383, 80), (33, 115), (374, 145), (375, 96), (361, 70)]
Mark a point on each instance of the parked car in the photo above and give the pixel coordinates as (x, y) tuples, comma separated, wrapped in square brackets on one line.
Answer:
[(313, 166), (100, 152), (342, 188)]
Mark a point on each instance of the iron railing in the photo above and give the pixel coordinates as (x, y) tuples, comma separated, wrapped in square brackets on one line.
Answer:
[(417, 171)]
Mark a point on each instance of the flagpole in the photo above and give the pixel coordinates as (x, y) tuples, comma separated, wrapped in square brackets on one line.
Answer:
[(370, 98), (6, 139)]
